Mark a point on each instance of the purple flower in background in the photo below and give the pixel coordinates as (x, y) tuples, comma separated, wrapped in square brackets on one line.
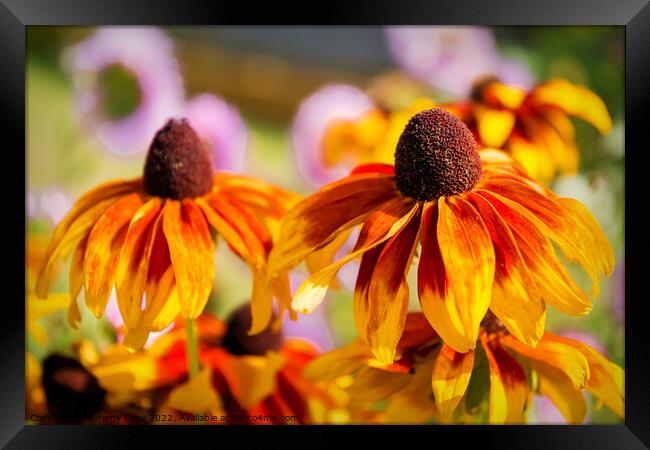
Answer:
[(127, 84), (52, 203), (315, 113), (221, 127), (548, 413), (452, 58)]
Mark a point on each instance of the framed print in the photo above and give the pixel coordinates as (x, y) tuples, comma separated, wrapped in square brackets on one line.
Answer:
[(416, 224)]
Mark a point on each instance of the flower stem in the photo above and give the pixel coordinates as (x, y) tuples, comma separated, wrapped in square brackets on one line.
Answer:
[(192, 348)]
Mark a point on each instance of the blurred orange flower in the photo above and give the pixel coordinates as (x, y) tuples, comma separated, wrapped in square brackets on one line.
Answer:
[(533, 126)]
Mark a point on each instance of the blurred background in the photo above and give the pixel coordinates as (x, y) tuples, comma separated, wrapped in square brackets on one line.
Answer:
[(260, 97)]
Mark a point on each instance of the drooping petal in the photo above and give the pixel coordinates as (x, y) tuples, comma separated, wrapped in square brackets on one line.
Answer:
[(325, 256), (606, 380), (76, 282), (109, 190), (319, 218), (575, 100), (253, 233), (508, 386), (589, 231), (569, 360), (360, 303), (259, 196), (385, 224), (558, 388), (191, 252), (573, 227), (468, 259), (388, 295), (76, 225), (556, 285), (435, 301), (225, 229), (103, 251), (450, 378), (516, 300), (134, 260)]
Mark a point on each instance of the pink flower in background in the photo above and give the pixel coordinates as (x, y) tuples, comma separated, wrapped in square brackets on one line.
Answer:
[(548, 413), (221, 126), (126, 83), (51, 203), (315, 113), (452, 58)]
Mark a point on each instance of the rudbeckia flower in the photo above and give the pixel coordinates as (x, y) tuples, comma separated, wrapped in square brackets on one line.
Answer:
[(486, 229), (533, 125), (150, 237), (431, 381), (242, 375), (126, 82)]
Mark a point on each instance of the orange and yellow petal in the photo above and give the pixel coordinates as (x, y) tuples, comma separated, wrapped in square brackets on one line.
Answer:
[(563, 357), (191, 253), (450, 378), (133, 264), (103, 251), (554, 282), (577, 101), (606, 380), (318, 219), (432, 284), (77, 223), (388, 295), (516, 300), (555, 385), (386, 223), (494, 125), (508, 386), (465, 255), (503, 95)]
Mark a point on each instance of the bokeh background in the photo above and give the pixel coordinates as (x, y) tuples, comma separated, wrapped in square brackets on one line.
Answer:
[(263, 84)]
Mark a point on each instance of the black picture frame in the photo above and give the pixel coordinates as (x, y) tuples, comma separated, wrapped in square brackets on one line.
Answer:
[(633, 15)]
